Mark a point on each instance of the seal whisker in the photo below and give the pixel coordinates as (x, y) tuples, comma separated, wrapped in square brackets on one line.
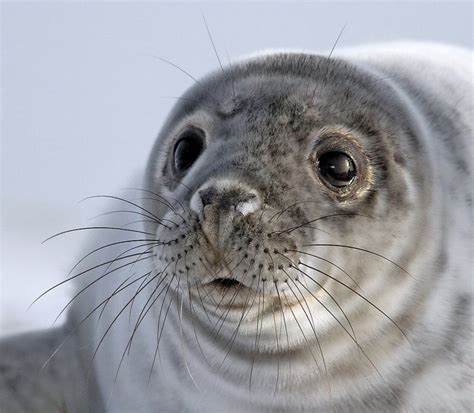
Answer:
[(130, 269), (216, 101), (112, 295), (337, 40), (310, 321), (294, 266), (212, 43), (291, 229), (231, 74), (360, 295), (233, 337), (96, 228), (74, 277), (74, 330), (202, 302), (116, 318), (167, 204), (159, 331), (104, 247), (144, 309), (282, 312), (148, 250), (192, 311), (329, 262), (263, 306), (97, 280), (281, 212), (185, 211), (179, 308), (125, 211), (118, 198), (362, 250), (342, 326), (222, 319), (278, 351), (256, 335), (139, 221), (129, 342), (353, 335), (302, 332), (162, 199), (316, 228)]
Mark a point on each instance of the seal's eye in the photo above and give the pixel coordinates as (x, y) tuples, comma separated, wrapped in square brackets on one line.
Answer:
[(187, 149), (336, 168)]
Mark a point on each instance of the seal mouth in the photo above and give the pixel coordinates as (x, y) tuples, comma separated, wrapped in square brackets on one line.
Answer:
[(226, 283)]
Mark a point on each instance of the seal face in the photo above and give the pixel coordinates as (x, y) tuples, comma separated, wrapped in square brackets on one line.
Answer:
[(264, 160), (302, 244)]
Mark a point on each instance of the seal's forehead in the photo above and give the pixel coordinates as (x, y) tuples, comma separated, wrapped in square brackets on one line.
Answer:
[(254, 83), (225, 92)]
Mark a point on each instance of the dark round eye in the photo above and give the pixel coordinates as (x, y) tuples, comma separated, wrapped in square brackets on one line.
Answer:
[(337, 168), (187, 149)]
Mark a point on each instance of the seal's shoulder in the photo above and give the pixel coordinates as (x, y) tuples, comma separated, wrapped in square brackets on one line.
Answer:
[(24, 384)]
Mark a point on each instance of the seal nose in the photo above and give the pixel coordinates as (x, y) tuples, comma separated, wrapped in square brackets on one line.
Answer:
[(228, 201), (219, 204)]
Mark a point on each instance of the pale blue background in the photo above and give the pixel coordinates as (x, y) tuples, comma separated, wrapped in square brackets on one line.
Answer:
[(82, 101)]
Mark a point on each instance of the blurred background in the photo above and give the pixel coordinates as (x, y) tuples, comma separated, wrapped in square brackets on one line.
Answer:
[(82, 100)]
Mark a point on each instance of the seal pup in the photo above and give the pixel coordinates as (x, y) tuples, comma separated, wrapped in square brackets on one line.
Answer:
[(304, 243)]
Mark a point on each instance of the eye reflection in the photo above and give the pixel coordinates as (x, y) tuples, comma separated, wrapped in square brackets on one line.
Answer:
[(336, 168)]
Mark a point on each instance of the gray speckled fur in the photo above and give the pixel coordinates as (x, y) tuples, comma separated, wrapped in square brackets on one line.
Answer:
[(410, 108)]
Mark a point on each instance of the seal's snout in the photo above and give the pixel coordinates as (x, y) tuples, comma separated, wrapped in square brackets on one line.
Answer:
[(219, 203), (228, 202)]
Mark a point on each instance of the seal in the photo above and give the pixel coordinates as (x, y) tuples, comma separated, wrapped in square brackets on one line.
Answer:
[(301, 241)]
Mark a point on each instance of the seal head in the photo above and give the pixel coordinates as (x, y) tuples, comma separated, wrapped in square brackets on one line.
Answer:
[(276, 154)]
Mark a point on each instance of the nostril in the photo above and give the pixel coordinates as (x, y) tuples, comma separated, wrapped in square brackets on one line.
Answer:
[(208, 196)]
